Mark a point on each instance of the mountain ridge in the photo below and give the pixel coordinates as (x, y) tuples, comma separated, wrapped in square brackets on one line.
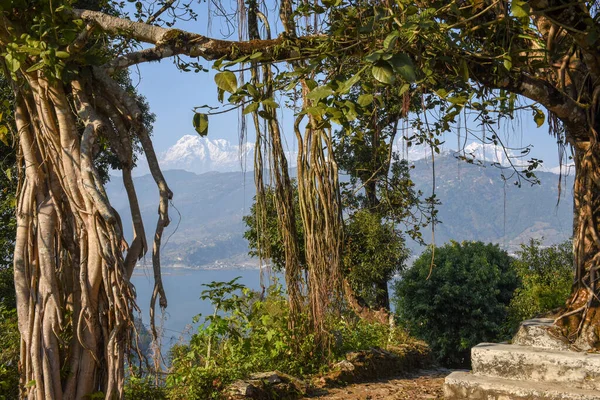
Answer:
[(476, 205)]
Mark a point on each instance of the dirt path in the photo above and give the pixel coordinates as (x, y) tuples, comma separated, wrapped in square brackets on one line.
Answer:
[(422, 385)]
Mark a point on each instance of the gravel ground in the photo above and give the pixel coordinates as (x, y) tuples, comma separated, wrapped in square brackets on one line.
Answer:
[(421, 385)]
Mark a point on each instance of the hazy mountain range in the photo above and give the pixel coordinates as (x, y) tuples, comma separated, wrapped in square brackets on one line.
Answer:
[(207, 228), (201, 154)]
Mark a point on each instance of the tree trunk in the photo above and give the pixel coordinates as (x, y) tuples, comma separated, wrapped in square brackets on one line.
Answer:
[(581, 320), (74, 297)]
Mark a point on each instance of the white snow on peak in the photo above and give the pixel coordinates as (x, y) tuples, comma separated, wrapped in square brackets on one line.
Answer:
[(201, 154), (489, 152)]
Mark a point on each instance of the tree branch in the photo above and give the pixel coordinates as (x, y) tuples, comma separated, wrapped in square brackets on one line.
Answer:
[(170, 42), (575, 18)]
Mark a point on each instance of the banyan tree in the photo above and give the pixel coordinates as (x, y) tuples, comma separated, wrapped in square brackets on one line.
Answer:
[(64, 60)]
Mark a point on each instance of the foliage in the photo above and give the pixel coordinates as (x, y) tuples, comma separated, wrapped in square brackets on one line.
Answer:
[(143, 388), (460, 302), (546, 276), (272, 232), (9, 354), (9, 338), (248, 334), (374, 251)]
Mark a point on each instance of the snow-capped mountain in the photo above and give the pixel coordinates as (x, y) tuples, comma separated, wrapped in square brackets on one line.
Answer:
[(200, 154)]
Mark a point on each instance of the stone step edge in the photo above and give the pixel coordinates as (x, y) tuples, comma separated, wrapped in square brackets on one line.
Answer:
[(463, 385), (578, 370)]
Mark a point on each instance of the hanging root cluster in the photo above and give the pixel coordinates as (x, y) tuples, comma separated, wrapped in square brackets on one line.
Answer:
[(320, 207), (319, 198), (268, 138), (72, 264)]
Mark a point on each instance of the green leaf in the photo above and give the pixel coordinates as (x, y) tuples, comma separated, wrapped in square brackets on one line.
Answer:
[(508, 62), (539, 117), (250, 108), (256, 55), (442, 93), (383, 72), (12, 63), (374, 57), (270, 103), (36, 66), (316, 112), (404, 66), (365, 100), (320, 92), (458, 100), (390, 40), (200, 122), (62, 54), (226, 81), (346, 86), (252, 90), (520, 9), (4, 135)]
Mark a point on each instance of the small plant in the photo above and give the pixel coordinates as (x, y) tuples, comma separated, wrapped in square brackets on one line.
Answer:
[(546, 276), (248, 333)]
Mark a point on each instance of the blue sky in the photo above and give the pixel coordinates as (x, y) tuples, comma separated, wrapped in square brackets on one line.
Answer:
[(172, 95)]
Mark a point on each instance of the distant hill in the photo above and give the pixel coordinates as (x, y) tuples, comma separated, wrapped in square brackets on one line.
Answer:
[(211, 205), (476, 205)]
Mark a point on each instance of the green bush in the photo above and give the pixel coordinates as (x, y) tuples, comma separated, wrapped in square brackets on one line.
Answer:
[(462, 303), (244, 334), (247, 334), (9, 353), (143, 388), (546, 276), (373, 252)]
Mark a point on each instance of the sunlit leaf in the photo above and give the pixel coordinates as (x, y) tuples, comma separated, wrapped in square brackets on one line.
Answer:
[(365, 99), (383, 72), (539, 117), (520, 8), (250, 108), (270, 103), (390, 40), (319, 93), (226, 81)]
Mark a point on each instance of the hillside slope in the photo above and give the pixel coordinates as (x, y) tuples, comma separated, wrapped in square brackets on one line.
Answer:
[(476, 205)]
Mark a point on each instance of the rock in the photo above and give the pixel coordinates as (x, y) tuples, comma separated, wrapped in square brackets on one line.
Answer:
[(539, 332), (344, 365), (272, 385), (538, 365), (377, 363)]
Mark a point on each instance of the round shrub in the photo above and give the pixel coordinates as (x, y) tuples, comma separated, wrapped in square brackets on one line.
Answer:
[(462, 303)]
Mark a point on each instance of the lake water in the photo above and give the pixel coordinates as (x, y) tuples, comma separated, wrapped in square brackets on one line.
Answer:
[(183, 287)]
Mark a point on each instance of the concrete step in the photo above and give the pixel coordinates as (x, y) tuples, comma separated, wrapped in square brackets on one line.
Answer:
[(526, 363), (467, 386)]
